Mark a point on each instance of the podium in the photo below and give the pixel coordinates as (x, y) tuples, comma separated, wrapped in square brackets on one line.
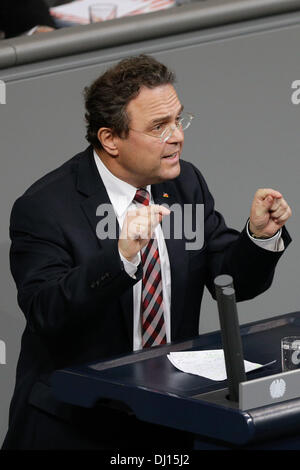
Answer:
[(146, 383)]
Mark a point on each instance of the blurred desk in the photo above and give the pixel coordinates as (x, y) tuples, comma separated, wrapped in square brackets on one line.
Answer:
[(77, 12)]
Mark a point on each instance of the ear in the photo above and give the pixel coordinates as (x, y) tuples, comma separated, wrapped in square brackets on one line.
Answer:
[(107, 140)]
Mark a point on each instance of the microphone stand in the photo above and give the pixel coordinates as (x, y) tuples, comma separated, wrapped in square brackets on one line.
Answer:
[(230, 333)]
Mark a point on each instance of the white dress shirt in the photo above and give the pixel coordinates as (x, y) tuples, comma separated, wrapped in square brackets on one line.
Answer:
[(121, 195)]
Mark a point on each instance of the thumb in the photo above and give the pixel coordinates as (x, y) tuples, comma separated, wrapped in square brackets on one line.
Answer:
[(268, 202)]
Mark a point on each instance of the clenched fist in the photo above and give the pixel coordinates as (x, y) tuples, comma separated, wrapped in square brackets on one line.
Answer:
[(138, 227), (269, 212)]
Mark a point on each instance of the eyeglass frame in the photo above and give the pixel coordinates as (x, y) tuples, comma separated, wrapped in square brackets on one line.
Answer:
[(171, 128)]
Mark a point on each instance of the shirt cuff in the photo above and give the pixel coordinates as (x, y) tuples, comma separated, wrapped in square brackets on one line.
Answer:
[(131, 266), (31, 31), (274, 243)]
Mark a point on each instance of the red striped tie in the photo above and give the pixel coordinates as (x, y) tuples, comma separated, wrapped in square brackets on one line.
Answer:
[(152, 313)]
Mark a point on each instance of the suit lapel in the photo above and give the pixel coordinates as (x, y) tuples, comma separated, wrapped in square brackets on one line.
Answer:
[(164, 194), (91, 185)]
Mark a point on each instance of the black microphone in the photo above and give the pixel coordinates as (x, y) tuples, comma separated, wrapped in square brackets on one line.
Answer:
[(230, 333)]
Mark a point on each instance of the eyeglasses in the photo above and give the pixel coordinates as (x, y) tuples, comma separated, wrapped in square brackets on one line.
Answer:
[(164, 132)]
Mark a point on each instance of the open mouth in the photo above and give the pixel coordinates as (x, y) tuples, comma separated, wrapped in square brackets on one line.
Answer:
[(172, 156)]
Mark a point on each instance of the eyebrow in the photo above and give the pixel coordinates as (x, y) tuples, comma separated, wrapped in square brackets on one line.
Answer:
[(165, 118)]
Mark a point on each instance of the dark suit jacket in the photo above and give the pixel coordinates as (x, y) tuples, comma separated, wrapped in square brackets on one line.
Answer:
[(19, 16), (75, 293)]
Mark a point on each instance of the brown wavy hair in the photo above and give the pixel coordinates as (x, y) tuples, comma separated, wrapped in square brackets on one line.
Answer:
[(107, 98)]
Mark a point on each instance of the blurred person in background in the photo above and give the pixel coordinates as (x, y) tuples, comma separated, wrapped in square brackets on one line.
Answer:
[(19, 17)]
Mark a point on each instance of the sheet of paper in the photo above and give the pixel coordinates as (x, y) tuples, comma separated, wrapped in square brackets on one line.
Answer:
[(209, 364), (78, 10)]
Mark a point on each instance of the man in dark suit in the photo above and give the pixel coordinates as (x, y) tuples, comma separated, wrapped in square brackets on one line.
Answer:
[(85, 294)]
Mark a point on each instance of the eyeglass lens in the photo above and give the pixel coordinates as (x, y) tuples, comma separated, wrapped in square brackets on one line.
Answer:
[(183, 124)]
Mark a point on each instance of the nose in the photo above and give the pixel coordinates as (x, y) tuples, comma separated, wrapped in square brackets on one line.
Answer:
[(177, 136)]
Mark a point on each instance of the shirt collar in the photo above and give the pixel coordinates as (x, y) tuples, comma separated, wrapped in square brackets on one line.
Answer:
[(120, 193)]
